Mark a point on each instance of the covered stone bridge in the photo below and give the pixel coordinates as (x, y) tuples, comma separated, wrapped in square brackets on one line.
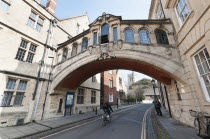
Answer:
[(145, 46)]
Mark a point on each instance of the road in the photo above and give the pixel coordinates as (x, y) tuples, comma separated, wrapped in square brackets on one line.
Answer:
[(126, 124)]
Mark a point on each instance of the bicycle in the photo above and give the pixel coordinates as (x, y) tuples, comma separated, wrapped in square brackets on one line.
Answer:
[(106, 118), (201, 122)]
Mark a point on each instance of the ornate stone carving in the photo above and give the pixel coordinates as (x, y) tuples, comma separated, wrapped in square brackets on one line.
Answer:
[(105, 52), (168, 51), (119, 44), (90, 49)]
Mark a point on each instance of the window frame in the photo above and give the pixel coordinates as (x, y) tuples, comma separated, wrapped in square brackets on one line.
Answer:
[(36, 21), (15, 91), (112, 98), (93, 96), (166, 41), (200, 76), (126, 36), (148, 36), (115, 35), (110, 83), (80, 97), (84, 47), (9, 3), (95, 38), (65, 51), (160, 12), (74, 46), (178, 15), (27, 50)]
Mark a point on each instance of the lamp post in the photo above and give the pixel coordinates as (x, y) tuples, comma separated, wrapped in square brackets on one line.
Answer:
[(153, 84)]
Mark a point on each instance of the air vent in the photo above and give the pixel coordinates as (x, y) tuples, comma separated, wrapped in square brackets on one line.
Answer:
[(20, 122)]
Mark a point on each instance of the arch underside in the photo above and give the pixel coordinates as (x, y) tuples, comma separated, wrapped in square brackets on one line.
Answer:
[(75, 78)]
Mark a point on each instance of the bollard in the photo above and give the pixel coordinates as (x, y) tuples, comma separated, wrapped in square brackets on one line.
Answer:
[(96, 111)]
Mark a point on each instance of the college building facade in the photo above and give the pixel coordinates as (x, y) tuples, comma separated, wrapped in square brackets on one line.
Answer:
[(191, 22)]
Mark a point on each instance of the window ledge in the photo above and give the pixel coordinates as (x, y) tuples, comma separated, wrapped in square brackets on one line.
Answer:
[(191, 14)]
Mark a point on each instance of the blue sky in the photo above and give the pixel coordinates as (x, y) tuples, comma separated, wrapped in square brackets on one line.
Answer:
[(128, 9)]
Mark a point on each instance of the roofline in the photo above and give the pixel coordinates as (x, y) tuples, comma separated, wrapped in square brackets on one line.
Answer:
[(72, 17), (73, 39), (151, 7), (151, 21)]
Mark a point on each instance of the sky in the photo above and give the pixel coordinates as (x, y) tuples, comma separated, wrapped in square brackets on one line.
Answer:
[(128, 9)]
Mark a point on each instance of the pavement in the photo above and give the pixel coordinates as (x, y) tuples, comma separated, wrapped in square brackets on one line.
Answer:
[(46, 125), (176, 129)]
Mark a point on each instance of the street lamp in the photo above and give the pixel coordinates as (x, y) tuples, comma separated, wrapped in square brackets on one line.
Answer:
[(153, 84)]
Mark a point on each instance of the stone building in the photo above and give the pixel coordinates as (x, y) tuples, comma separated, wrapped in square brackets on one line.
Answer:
[(121, 87), (132, 78), (108, 87), (29, 37), (191, 23)]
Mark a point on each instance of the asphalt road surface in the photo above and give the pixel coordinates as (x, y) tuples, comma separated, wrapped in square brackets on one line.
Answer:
[(126, 124)]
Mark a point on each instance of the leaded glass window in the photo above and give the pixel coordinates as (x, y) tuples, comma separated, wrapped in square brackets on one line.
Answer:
[(115, 36), (18, 98), (202, 60), (6, 100), (144, 36), (182, 10), (4, 5), (80, 96), (161, 37), (129, 35), (74, 50), (95, 39), (11, 84), (84, 44), (105, 33)]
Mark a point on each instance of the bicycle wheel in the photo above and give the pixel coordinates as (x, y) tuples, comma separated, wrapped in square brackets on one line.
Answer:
[(197, 126)]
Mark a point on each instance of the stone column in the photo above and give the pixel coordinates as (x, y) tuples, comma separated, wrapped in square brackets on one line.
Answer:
[(153, 37), (119, 32), (110, 33)]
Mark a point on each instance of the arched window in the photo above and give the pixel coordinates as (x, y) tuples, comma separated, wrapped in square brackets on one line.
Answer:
[(129, 35), (84, 44), (105, 33), (161, 37), (74, 50), (144, 36), (65, 54)]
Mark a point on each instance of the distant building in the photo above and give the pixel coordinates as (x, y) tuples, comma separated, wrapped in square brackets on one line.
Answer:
[(132, 78), (108, 87), (149, 94), (121, 87)]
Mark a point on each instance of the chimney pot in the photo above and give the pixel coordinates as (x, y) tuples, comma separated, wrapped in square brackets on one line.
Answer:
[(51, 5)]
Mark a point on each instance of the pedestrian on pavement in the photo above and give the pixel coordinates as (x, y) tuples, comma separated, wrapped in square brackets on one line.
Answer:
[(157, 105)]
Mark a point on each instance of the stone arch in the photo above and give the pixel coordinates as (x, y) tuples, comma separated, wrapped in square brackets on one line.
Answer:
[(130, 27), (78, 69)]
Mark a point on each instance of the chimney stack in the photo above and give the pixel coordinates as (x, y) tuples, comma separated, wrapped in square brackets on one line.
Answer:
[(51, 5)]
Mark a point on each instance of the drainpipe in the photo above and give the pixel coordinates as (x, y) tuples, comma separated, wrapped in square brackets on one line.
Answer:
[(39, 83), (50, 74)]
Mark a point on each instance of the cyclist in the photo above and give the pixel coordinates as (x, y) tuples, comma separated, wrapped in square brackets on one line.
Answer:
[(107, 107)]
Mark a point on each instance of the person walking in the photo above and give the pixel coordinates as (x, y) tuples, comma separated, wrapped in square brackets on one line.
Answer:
[(157, 105)]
